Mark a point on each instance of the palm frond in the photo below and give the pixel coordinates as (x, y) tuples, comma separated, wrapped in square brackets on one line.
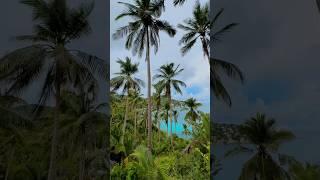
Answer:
[(229, 69), (219, 91), (217, 35), (318, 4), (178, 2)]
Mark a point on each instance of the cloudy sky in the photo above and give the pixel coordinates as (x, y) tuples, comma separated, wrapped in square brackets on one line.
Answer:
[(277, 46), (196, 71)]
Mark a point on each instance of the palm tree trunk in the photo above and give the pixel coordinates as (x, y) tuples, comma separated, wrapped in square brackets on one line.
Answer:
[(135, 123), (159, 131), (263, 169), (205, 48), (54, 141), (82, 161), (9, 164), (125, 120), (149, 93), (146, 120), (170, 111)]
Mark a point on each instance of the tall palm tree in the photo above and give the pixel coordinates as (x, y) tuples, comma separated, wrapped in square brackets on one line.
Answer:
[(166, 77), (192, 105), (142, 34), (266, 138), (127, 82), (201, 27), (56, 26)]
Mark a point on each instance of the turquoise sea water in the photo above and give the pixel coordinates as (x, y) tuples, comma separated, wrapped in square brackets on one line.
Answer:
[(177, 128)]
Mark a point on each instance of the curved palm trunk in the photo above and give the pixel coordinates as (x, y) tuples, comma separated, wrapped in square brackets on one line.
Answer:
[(149, 93), (54, 141)]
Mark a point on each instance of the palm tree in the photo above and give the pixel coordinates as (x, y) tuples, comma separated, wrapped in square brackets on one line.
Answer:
[(192, 105), (201, 27), (56, 26), (166, 76), (127, 82), (142, 34), (266, 138)]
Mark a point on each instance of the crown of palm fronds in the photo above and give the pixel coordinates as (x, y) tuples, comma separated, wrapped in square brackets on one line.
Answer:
[(166, 76), (125, 78), (145, 14)]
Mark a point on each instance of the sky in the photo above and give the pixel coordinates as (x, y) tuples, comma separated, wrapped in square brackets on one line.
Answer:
[(277, 47), (196, 70)]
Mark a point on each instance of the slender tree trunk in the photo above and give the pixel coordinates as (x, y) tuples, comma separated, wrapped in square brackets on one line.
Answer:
[(263, 168), (146, 123), (205, 48), (149, 93), (159, 131), (175, 126), (54, 141), (170, 114), (125, 120), (167, 127), (135, 123), (9, 164), (82, 159)]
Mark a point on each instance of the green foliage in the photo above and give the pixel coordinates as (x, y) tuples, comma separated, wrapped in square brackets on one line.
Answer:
[(174, 165), (168, 161), (299, 170), (138, 165), (304, 171), (82, 133)]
